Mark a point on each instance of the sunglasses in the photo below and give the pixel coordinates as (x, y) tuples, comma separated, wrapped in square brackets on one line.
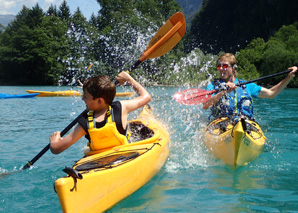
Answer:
[(223, 66)]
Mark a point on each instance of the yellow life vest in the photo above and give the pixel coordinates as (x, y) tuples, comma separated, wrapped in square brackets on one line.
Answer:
[(105, 137)]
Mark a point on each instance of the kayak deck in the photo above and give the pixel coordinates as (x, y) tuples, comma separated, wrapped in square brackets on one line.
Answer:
[(112, 175), (69, 93), (65, 93), (236, 143)]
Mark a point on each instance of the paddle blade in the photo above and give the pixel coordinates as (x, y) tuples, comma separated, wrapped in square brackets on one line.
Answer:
[(166, 37), (193, 96)]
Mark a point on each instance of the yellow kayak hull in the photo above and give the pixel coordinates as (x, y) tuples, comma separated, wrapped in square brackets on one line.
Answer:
[(235, 144), (65, 93), (68, 93), (125, 94), (101, 188)]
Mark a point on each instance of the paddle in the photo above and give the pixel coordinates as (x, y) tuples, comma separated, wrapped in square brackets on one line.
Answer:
[(197, 96), (164, 40), (64, 131)]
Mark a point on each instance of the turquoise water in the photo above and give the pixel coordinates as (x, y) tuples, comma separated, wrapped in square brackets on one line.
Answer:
[(190, 181)]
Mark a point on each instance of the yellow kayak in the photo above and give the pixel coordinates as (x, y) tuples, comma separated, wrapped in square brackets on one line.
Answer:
[(65, 93), (68, 93), (125, 94), (235, 142), (101, 179)]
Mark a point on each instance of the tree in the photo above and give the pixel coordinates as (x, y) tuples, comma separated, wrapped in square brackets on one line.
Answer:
[(230, 25), (82, 38), (30, 50), (64, 11), (52, 10), (262, 58)]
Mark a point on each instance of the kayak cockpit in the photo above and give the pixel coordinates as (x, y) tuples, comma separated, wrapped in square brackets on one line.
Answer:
[(139, 132)]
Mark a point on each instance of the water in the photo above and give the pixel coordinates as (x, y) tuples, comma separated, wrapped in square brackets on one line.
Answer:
[(190, 181)]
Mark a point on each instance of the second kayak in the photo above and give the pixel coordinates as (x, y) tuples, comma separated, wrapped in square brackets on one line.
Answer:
[(65, 93), (236, 142), (68, 93)]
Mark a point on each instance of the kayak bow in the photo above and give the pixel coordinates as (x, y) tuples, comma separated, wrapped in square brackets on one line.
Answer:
[(235, 142), (6, 96)]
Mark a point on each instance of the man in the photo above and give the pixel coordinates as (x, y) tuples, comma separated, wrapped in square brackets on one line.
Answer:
[(237, 101)]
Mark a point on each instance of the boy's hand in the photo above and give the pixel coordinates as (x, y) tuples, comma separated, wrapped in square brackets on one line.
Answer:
[(123, 77), (55, 137)]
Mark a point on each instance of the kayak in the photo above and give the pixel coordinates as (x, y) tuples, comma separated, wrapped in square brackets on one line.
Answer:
[(125, 94), (103, 178), (6, 96), (237, 142), (67, 93)]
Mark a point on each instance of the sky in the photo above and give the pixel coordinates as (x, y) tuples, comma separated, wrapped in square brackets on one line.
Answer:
[(87, 7)]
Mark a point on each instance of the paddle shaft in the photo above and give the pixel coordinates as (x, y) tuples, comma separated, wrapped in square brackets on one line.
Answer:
[(255, 80), (265, 77), (190, 98), (64, 131)]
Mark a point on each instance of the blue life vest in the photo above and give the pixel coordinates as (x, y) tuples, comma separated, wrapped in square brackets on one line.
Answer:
[(235, 103)]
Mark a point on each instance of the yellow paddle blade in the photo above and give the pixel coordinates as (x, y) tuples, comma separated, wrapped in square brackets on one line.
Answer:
[(166, 37)]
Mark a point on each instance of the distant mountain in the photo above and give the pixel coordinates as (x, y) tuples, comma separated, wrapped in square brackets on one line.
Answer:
[(5, 19), (191, 8)]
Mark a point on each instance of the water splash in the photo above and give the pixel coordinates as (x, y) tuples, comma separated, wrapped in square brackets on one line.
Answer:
[(117, 49)]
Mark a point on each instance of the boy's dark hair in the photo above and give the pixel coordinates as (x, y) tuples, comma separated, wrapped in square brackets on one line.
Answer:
[(100, 86)]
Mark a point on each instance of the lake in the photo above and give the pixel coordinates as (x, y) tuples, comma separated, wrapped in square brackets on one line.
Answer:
[(191, 179)]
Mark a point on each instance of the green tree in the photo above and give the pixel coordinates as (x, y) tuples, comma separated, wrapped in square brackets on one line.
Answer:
[(82, 36), (64, 11), (250, 58), (113, 12), (126, 27), (52, 10), (262, 58), (29, 52), (231, 24)]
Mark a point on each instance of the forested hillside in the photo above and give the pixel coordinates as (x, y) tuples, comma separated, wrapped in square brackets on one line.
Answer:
[(56, 47), (231, 24)]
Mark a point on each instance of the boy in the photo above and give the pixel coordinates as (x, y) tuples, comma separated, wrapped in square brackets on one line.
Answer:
[(105, 125)]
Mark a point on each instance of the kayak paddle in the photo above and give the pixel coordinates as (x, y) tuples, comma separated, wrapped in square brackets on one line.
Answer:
[(197, 96), (164, 40), (64, 131)]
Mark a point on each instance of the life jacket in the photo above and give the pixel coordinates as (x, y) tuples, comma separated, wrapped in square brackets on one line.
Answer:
[(105, 137), (235, 103)]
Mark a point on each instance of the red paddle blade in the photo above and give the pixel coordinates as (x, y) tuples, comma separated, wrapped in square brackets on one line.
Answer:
[(193, 96)]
